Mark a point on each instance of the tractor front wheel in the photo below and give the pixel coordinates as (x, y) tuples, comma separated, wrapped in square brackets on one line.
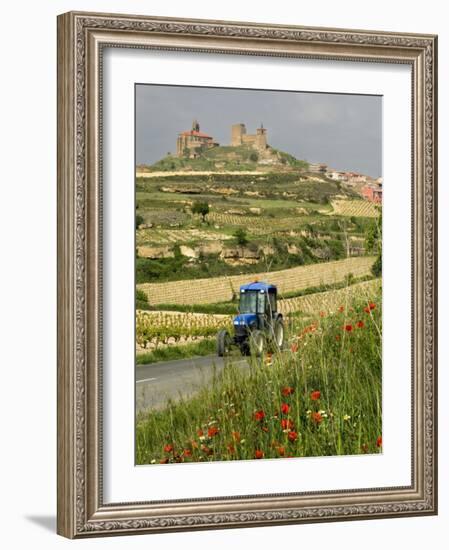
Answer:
[(223, 343), (257, 342)]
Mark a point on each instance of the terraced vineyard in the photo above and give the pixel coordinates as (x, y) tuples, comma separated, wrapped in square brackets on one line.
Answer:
[(329, 300), (222, 289), (257, 224), (357, 208), (175, 236)]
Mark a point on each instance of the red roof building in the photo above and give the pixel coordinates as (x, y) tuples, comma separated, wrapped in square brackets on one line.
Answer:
[(373, 193), (192, 143)]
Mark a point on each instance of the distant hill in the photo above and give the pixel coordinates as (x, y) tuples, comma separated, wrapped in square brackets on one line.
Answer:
[(228, 158)]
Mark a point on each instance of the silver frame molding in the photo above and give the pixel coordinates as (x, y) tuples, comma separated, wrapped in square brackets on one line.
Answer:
[(81, 39)]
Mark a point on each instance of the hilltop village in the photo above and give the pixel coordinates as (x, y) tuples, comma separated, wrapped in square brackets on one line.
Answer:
[(199, 151)]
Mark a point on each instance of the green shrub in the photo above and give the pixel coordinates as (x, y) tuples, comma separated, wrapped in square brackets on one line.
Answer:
[(242, 237), (201, 208), (139, 220), (254, 157)]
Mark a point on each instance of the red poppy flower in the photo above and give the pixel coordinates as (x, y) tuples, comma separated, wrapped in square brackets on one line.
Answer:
[(366, 309), (168, 448), (281, 450), (360, 324), (292, 436), (286, 424), (322, 314), (337, 338), (294, 347), (379, 441), (341, 309), (285, 408), (317, 418), (348, 328), (212, 431), (288, 390), (236, 436), (372, 305), (259, 415), (315, 395), (231, 448), (258, 454), (187, 452), (200, 433)]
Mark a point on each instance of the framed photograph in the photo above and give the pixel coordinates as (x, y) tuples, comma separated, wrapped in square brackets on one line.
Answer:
[(246, 274)]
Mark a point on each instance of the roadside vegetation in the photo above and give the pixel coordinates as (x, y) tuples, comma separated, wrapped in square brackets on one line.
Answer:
[(171, 353)]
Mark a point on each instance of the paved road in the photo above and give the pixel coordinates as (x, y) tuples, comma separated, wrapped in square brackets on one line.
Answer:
[(169, 379)]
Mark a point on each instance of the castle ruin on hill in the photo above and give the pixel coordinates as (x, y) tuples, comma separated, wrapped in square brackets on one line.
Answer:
[(192, 143), (240, 137)]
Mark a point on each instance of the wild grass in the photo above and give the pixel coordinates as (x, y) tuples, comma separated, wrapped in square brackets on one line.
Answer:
[(321, 397)]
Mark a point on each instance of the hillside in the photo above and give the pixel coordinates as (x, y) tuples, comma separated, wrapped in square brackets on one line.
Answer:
[(227, 158)]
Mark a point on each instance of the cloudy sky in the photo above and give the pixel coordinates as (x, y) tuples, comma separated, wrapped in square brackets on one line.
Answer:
[(343, 131)]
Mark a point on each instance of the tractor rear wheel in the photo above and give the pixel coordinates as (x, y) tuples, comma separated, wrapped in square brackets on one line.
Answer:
[(257, 342), (279, 333), (223, 343)]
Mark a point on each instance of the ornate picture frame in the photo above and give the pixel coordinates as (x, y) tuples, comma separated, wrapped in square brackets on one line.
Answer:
[(82, 38)]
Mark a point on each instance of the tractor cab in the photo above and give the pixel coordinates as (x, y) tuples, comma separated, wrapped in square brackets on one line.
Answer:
[(258, 323), (257, 305)]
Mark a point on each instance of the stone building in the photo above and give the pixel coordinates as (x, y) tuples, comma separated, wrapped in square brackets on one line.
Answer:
[(240, 137), (193, 142), (317, 167)]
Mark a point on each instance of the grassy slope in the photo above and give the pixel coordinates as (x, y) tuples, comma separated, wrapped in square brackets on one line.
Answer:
[(227, 157)]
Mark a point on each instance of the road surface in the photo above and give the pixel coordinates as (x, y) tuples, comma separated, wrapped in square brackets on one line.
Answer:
[(157, 382)]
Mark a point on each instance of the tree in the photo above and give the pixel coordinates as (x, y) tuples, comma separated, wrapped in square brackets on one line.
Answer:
[(373, 235), (201, 208), (373, 243), (254, 157), (241, 236)]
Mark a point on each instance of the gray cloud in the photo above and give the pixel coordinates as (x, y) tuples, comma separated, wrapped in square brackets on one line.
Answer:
[(343, 131)]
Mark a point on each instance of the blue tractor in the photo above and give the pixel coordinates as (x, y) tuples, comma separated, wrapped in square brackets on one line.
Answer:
[(258, 326)]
